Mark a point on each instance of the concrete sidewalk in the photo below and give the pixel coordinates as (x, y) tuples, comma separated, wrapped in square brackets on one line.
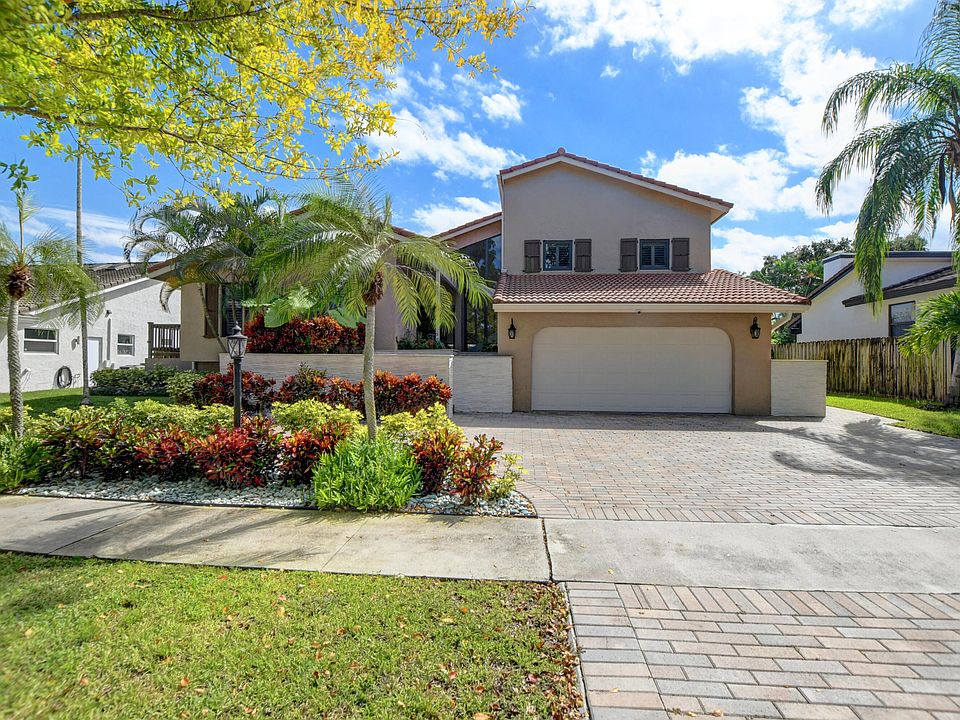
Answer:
[(791, 557)]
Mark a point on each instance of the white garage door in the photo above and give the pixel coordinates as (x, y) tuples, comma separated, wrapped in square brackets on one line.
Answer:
[(632, 369)]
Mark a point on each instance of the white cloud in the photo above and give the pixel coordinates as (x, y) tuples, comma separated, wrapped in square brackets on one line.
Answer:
[(863, 13), (503, 105), (686, 30), (443, 216), (609, 71), (104, 235), (427, 137), (839, 229), (743, 251)]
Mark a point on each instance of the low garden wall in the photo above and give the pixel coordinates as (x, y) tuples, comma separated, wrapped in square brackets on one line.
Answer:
[(480, 382), (798, 388)]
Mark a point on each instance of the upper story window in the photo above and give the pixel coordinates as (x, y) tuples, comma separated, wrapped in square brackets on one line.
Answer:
[(558, 254), (902, 316), (654, 254), (486, 256), (39, 340)]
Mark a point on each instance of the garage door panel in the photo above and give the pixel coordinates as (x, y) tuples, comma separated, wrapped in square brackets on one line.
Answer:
[(632, 369)]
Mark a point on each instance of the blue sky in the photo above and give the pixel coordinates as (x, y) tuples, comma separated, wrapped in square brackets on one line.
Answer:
[(721, 97)]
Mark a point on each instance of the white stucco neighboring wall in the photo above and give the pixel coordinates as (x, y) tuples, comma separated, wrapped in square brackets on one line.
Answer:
[(828, 318), (798, 388), (128, 309)]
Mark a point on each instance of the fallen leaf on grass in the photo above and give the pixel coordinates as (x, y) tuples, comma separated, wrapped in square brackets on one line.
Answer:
[(184, 681)]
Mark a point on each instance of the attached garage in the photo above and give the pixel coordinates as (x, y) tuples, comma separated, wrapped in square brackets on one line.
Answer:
[(632, 369)]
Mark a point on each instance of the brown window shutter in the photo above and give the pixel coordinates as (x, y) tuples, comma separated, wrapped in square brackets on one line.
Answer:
[(211, 300), (680, 255), (531, 256), (628, 255), (582, 251)]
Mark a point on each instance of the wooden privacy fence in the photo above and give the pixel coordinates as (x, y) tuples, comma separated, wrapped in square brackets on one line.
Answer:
[(875, 366)]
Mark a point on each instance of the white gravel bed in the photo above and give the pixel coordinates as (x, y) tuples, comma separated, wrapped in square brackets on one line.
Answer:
[(196, 491)]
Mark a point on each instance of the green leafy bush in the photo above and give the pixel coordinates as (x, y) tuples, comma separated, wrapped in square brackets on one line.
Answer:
[(20, 461), (313, 415), (131, 381), (154, 415), (181, 387), (505, 483), (86, 440), (405, 427), (365, 475)]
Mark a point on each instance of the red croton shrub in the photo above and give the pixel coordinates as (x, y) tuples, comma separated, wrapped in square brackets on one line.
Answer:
[(317, 335), (217, 388), (300, 451), (167, 453), (238, 457), (436, 453), (450, 464)]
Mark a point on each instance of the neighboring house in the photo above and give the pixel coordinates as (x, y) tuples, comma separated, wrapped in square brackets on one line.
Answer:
[(50, 344), (839, 311), (605, 297)]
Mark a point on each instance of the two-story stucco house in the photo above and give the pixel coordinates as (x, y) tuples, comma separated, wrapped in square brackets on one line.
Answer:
[(605, 297), (839, 311)]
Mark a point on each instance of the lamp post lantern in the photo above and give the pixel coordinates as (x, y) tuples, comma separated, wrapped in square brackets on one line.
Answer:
[(237, 348)]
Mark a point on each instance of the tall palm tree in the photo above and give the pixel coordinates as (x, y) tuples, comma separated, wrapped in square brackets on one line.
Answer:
[(84, 328), (343, 244), (914, 159), (207, 243), (938, 321), (42, 272)]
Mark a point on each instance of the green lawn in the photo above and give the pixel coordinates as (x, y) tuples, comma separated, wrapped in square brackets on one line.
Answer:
[(46, 401), (911, 413), (96, 639)]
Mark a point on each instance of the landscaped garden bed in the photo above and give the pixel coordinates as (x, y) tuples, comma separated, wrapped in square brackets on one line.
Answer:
[(86, 638), (301, 445)]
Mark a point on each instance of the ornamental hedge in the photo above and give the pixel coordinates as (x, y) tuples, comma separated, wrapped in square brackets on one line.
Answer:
[(318, 335)]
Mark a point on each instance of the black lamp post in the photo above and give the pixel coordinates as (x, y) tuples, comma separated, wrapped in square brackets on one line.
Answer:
[(755, 329), (237, 348)]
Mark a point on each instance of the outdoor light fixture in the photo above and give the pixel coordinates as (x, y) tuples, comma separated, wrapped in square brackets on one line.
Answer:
[(755, 329), (512, 330), (237, 348)]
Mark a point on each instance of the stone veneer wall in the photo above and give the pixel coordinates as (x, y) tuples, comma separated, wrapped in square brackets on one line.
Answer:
[(798, 388), (481, 382)]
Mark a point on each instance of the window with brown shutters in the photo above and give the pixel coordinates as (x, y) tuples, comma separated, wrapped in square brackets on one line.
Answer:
[(628, 255), (680, 257), (582, 250), (211, 301), (531, 256)]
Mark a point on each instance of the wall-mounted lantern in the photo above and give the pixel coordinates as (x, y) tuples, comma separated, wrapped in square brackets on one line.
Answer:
[(755, 329), (512, 330)]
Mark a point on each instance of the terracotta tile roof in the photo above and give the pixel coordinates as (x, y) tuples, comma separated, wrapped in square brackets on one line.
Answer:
[(561, 152), (716, 286), (477, 221)]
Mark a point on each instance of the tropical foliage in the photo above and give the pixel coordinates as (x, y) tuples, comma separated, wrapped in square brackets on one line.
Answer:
[(913, 159), (248, 78), (348, 248), (938, 321)]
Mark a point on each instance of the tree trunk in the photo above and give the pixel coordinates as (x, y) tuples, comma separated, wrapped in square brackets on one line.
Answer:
[(13, 366), (369, 401), (953, 395), (84, 344)]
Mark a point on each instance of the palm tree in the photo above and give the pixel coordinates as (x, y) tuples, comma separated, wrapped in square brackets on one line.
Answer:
[(84, 328), (344, 245), (913, 160), (208, 244), (938, 321), (43, 272)]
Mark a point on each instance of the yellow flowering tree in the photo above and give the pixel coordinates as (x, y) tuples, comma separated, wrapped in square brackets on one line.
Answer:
[(223, 89)]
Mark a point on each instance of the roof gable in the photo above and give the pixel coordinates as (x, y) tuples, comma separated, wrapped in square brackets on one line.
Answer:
[(718, 207)]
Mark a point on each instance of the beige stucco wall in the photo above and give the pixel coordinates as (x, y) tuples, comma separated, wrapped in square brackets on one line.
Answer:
[(562, 202), (751, 358), (798, 388)]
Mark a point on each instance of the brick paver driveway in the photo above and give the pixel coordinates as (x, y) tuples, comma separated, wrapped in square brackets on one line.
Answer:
[(848, 468)]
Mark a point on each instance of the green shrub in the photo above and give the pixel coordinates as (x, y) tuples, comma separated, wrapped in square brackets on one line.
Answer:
[(131, 381), (366, 475), (313, 415), (181, 387), (20, 461), (77, 442), (404, 427), (199, 422), (506, 482)]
